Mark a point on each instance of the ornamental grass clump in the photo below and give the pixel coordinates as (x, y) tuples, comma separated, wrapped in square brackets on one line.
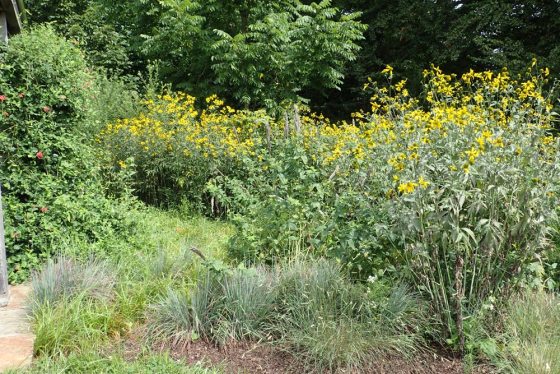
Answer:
[(531, 336), (221, 308), (332, 324), (64, 278), (308, 308)]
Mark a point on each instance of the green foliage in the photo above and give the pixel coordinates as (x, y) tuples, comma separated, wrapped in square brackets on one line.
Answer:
[(191, 36), (289, 204), (86, 24), (74, 297), (79, 307), (474, 235), (291, 48), (115, 98), (202, 43), (48, 168), (81, 325), (454, 35)]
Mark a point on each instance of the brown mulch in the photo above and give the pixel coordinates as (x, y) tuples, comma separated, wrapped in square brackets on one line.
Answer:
[(238, 358), (257, 358), (265, 359)]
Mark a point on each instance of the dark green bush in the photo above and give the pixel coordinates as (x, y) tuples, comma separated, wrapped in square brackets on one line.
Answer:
[(49, 170), (295, 205)]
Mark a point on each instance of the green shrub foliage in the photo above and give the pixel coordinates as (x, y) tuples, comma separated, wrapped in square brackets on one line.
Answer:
[(48, 169)]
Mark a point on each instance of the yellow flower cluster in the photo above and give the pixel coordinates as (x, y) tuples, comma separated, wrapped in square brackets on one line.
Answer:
[(478, 116), (172, 123)]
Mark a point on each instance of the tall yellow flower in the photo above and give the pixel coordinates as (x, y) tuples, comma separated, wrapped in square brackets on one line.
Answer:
[(407, 187)]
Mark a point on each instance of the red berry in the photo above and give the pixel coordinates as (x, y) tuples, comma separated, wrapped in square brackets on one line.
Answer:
[(39, 155), (44, 209), (2, 98), (46, 109)]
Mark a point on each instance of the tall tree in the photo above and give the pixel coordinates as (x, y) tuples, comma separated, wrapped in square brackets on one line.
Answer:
[(271, 60), (456, 35), (255, 52), (85, 23)]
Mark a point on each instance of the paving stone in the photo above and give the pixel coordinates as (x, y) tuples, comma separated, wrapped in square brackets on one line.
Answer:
[(16, 351), (16, 339), (18, 296)]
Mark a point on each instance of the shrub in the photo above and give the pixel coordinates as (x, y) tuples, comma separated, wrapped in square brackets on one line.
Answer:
[(475, 191), (175, 148), (286, 190), (291, 202), (49, 171)]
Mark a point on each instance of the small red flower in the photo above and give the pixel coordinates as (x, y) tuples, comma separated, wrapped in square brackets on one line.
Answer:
[(2, 98), (39, 155), (44, 209), (46, 109)]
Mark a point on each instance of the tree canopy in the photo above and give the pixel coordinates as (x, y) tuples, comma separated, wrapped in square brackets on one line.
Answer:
[(255, 53)]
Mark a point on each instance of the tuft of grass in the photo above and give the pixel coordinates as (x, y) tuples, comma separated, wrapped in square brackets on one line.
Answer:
[(333, 324), (81, 306), (71, 325), (221, 307), (63, 277), (532, 334), (248, 302), (172, 318), (205, 300), (328, 344)]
